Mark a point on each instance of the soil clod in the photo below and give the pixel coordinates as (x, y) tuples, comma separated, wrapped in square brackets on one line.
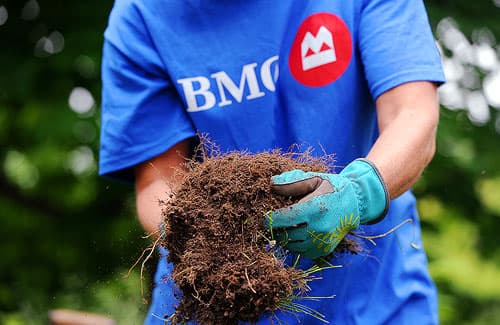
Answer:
[(223, 261)]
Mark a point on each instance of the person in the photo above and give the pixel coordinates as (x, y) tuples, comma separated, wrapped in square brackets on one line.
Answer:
[(357, 79)]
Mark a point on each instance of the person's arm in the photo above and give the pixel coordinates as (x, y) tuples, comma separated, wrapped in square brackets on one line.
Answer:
[(408, 116), (154, 180), (332, 205)]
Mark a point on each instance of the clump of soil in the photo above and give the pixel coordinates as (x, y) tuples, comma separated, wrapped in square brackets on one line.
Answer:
[(218, 242)]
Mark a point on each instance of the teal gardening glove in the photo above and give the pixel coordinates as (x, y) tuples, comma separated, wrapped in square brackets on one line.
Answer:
[(333, 205)]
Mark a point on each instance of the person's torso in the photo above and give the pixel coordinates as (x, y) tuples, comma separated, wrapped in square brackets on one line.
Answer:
[(259, 75)]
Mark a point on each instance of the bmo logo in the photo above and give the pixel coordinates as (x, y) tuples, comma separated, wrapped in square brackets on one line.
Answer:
[(321, 50), (317, 50)]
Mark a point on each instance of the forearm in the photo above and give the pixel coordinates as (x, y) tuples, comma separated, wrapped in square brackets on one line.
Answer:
[(406, 143), (155, 180), (149, 211)]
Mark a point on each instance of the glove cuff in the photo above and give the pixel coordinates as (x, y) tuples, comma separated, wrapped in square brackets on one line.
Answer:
[(371, 190)]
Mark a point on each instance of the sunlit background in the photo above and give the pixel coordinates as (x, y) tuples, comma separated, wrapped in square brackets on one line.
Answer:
[(68, 237)]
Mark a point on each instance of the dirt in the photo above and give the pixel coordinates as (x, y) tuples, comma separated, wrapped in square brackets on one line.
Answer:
[(224, 262)]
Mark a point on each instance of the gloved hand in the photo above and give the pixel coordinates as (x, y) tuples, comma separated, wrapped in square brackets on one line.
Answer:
[(333, 205)]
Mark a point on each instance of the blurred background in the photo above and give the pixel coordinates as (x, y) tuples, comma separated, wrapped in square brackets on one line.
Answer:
[(68, 237)]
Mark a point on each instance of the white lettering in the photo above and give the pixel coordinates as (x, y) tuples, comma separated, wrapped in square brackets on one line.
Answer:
[(269, 78), (247, 77), (200, 97), (190, 93)]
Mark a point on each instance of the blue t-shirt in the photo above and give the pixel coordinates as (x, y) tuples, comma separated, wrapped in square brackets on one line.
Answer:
[(257, 75)]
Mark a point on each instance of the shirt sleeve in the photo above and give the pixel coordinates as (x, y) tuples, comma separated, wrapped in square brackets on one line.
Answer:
[(142, 115), (397, 45)]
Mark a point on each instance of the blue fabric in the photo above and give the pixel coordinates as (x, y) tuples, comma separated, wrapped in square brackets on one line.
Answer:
[(229, 69)]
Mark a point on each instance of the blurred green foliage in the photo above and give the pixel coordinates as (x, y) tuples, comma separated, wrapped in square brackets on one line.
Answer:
[(68, 236)]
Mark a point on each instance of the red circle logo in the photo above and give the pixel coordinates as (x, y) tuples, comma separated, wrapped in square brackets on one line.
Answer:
[(321, 50)]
